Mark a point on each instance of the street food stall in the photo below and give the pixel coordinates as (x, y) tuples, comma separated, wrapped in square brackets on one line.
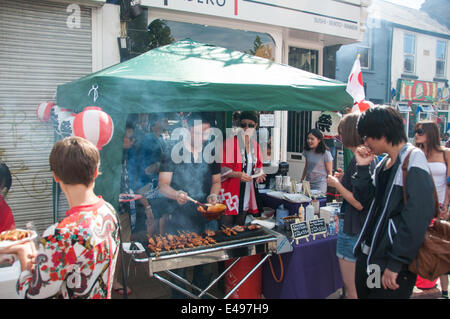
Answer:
[(189, 76)]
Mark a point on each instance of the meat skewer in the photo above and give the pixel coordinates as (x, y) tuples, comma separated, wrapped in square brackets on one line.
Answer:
[(210, 233), (204, 206), (228, 231)]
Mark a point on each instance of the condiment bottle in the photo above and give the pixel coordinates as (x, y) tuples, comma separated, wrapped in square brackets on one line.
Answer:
[(301, 213), (309, 212), (316, 205)]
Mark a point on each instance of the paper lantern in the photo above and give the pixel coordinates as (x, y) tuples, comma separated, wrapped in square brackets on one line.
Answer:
[(328, 123), (94, 125), (43, 111)]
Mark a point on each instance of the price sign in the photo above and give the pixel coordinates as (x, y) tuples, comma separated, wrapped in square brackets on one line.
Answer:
[(318, 227), (267, 120), (299, 231)]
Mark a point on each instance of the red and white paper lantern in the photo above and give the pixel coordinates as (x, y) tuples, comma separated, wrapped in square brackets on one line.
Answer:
[(43, 111), (94, 125)]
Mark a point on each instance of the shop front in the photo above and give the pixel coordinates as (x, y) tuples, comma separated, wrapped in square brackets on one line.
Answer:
[(422, 100)]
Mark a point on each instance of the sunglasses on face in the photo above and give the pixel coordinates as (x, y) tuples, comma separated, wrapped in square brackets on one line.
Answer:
[(244, 125), (419, 132)]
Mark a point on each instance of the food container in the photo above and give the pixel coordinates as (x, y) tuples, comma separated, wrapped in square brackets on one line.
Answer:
[(278, 182), (268, 212), (9, 274), (289, 220), (281, 213), (213, 212), (326, 211)]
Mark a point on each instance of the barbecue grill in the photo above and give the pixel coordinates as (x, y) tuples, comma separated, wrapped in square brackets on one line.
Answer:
[(247, 243)]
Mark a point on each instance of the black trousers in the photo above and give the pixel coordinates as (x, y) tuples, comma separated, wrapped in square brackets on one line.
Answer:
[(369, 289)]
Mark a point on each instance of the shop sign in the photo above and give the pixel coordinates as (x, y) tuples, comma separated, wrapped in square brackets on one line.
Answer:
[(325, 16), (267, 120), (318, 227), (413, 90), (299, 231)]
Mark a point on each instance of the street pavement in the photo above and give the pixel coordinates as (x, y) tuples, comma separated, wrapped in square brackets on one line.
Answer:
[(145, 287)]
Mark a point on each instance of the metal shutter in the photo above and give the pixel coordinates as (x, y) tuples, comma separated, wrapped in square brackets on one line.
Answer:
[(38, 52)]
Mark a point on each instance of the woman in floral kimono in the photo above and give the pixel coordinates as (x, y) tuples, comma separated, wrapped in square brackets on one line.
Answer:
[(242, 159)]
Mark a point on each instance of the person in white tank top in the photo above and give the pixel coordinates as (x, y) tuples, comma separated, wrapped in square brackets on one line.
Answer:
[(428, 140)]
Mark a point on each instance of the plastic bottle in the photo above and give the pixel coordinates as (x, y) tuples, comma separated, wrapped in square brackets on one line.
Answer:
[(309, 215), (316, 205), (332, 224), (301, 213), (332, 228)]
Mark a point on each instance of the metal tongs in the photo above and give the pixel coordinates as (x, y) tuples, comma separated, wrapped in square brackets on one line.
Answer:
[(204, 206)]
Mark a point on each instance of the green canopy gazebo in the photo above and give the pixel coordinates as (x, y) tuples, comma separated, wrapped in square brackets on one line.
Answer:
[(189, 76)]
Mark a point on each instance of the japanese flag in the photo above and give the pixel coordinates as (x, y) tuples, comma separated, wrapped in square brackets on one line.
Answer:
[(355, 86)]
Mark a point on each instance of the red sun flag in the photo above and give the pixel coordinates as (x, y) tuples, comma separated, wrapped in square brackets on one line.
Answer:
[(355, 86)]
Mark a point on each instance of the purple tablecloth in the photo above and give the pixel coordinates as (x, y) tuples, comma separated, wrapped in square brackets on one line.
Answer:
[(311, 271), (273, 202)]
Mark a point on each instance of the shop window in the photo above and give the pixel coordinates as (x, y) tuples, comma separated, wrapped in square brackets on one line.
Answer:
[(409, 52), (144, 36), (441, 56), (365, 51), (304, 59), (260, 44), (299, 122), (137, 34)]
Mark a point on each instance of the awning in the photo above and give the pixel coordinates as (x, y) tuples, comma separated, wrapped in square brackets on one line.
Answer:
[(189, 76)]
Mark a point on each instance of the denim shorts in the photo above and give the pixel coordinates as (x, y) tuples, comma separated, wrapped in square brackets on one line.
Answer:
[(345, 244)]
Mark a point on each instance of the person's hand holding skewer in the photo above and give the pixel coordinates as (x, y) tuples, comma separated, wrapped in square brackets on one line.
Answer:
[(181, 197)]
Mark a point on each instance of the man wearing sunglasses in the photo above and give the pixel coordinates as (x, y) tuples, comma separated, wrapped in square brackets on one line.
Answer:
[(393, 231)]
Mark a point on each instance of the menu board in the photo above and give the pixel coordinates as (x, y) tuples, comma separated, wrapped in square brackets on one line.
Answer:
[(318, 227), (299, 231)]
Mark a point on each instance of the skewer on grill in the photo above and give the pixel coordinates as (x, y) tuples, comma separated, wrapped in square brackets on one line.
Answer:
[(228, 231)]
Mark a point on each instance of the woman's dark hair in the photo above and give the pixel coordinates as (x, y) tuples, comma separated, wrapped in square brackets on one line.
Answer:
[(249, 115), (5, 178), (321, 148), (431, 130), (379, 121)]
